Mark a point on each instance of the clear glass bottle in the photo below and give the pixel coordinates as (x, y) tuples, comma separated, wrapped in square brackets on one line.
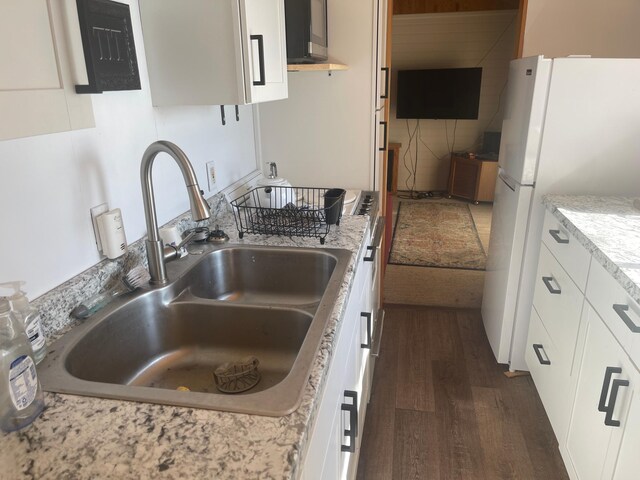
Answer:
[(21, 399)]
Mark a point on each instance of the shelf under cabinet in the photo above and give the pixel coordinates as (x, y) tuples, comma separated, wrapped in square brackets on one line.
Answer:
[(315, 67)]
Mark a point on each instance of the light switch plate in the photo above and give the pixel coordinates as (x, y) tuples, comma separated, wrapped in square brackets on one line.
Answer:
[(95, 213), (211, 175)]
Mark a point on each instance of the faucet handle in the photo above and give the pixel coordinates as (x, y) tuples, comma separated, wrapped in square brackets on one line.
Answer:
[(172, 252), (185, 240)]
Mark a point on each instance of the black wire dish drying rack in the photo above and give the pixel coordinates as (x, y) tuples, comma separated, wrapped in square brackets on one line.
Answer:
[(288, 211)]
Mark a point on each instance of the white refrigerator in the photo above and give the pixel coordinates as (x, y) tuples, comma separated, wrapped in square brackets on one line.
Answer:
[(572, 126)]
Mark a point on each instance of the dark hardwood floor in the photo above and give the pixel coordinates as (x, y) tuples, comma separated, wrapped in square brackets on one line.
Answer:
[(441, 407)]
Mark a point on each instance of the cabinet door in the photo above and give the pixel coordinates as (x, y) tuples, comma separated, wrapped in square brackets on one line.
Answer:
[(36, 69), (264, 50), (367, 319), (463, 177), (324, 457), (383, 77), (331, 463), (215, 52), (601, 404), (573, 257), (627, 466), (380, 145), (549, 373), (559, 303)]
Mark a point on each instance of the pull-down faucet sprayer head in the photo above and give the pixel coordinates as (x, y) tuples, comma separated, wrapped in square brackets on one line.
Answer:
[(199, 206)]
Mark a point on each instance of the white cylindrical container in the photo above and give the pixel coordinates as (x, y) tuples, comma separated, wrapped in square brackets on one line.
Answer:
[(274, 197), (170, 235)]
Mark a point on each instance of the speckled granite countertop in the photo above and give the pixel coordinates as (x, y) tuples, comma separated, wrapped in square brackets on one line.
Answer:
[(82, 437), (609, 228)]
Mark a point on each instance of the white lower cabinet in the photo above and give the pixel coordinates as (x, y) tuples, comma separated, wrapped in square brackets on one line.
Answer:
[(603, 440), (582, 353), (553, 332), (333, 449), (549, 374), (627, 465), (325, 454), (616, 307)]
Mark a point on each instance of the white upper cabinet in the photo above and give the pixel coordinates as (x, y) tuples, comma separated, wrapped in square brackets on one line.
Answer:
[(42, 61), (215, 52), (263, 30), (383, 71)]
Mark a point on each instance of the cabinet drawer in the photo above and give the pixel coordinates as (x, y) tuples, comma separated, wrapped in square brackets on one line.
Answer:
[(558, 301), (616, 308), (549, 374), (573, 257), (365, 318), (323, 452)]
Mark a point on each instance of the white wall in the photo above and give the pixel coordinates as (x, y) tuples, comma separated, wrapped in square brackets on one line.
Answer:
[(582, 27), (450, 40), (322, 135), (48, 183)]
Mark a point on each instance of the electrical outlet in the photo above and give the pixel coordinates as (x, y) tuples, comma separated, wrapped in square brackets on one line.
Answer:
[(95, 213), (211, 175)]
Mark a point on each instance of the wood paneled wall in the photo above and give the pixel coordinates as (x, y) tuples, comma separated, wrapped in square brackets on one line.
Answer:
[(401, 7), (449, 40)]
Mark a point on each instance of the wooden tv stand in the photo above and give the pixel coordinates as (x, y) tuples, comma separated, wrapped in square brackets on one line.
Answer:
[(472, 178)]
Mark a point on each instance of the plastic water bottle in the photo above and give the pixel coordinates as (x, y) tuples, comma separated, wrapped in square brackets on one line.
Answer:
[(21, 399)]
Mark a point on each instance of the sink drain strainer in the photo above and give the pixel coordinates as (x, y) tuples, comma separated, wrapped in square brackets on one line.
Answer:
[(237, 377)]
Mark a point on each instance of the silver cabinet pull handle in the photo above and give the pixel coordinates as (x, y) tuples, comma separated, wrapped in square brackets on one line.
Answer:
[(556, 236), (621, 310), (537, 348), (552, 290)]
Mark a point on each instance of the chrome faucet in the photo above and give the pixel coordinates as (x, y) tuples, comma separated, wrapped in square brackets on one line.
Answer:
[(156, 252)]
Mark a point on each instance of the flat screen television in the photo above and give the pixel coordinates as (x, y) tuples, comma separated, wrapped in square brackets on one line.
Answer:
[(447, 93)]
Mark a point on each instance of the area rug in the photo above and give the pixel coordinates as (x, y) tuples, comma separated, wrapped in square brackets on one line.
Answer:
[(436, 234)]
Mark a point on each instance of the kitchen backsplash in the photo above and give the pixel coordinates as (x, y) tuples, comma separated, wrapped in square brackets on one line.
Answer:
[(56, 304)]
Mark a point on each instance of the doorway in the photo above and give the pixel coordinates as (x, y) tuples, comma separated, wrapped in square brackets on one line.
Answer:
[(425, 37)]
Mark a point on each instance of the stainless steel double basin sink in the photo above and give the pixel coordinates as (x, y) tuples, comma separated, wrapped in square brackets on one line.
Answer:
[(224, 305)]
